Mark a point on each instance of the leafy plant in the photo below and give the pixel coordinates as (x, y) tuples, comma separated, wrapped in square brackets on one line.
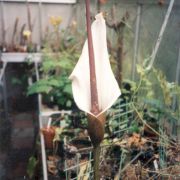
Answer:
[(31, 166), (55, 69), (155, 90)]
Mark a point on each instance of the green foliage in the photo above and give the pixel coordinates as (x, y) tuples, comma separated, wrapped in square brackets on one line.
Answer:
[(55, 70), (158, 97), (167, 88), (44, 86), (153, 97), (145, 84), (153, 85), (58, 133), (16, 81), (31, 166), (134, 128)]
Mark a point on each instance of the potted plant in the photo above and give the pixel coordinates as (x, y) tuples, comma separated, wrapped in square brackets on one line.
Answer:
[(49, 134)]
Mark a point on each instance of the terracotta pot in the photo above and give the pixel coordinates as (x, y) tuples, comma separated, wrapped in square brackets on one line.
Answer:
[(103, 1), (49, 134)]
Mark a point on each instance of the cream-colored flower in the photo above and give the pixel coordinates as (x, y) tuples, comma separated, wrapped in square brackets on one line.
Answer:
[(74, 23), (26, 33), (55, 20)]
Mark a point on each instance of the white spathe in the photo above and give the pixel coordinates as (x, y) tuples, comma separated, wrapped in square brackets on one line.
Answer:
[(107, 86)]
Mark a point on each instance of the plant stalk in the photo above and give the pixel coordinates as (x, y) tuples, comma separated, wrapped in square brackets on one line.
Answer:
[(94, 94), (93, 85), (15, 31), (96, 150), (29, 20)]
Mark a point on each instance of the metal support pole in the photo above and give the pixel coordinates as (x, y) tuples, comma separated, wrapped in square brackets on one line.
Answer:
[(178, 69), (43, 152), (177, 78), (40, 23), (161, 33), (2, 71), (3, 85), (2, 22), (136, 40), (5, 97), (175, 100)]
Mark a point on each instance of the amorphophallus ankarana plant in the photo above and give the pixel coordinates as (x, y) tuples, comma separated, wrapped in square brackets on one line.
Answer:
[(94, 86)]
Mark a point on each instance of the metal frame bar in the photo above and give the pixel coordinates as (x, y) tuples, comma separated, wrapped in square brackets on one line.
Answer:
[(45, 1), (5, 98), (40, 22), (136, 41), (43, 152), (20, 57), (2, 22), (161, 33), (2, 71), (175, 100), (177, 79)]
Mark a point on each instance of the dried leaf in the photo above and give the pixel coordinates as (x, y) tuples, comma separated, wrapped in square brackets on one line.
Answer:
[(52, 167), (83, 169)]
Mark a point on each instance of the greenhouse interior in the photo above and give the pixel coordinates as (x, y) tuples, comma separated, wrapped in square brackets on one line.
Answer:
[(89, 89)]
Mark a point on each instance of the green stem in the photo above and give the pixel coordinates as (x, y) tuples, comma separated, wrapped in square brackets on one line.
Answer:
[(96, 150)]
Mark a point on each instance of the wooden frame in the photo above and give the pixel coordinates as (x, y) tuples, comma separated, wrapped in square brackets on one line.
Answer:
[(45, 1)]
